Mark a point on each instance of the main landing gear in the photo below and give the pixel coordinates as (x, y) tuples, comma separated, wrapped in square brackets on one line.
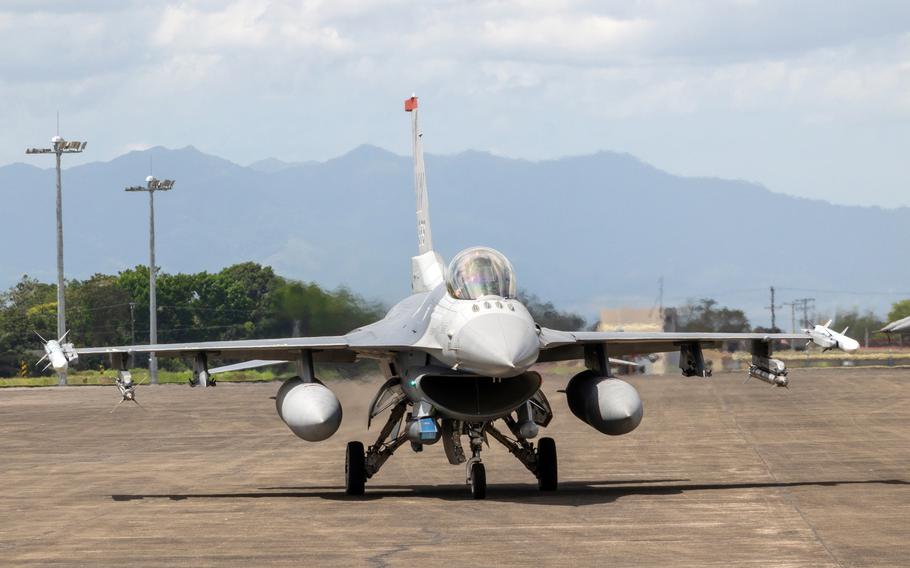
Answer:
[(355, 469), (522, 424), (360, 465), (541, 460)]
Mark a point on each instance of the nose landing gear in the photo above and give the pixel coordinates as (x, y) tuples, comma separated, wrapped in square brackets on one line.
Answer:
[(477, 479), (476, 473)]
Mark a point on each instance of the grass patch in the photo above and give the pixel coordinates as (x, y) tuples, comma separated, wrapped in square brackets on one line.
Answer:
[(139, 375)]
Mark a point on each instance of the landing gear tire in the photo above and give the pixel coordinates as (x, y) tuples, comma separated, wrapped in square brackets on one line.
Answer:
[(478, 481), (547, 467), (355, 469)]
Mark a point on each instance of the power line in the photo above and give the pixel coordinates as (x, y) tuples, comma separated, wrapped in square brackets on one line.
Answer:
[(804, 304), (849, 292), (97, 308)]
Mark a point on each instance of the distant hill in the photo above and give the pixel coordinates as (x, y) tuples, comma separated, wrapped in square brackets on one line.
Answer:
[(584, 231), (272, 165)]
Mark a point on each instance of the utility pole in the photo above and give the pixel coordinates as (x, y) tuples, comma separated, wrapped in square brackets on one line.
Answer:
[(132, 323), (792, 316), (804, 303), (153, 185), (773, 307), (660, 299), (60, 147), (659, 302)]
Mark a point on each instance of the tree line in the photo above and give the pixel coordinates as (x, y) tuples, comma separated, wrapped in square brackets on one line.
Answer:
[(706, 315), (243, 301), (250, 301)]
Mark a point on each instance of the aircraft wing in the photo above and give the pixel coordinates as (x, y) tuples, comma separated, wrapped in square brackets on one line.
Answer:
[(564, 345), (246, 366), (329, 348)]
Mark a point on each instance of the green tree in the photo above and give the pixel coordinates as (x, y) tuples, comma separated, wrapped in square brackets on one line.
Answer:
[(704, 315), (98, 311), (242, 301), (546, 314), (301, 308), (25, 308), (899, 310)]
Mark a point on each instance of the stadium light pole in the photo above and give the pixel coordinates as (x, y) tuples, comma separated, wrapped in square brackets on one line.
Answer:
[(151, 186), (60, 147)]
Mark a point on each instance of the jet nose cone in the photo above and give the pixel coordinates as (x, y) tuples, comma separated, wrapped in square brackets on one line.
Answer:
[(497, 345)]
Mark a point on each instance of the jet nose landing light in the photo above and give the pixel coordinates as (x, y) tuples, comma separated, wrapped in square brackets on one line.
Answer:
[(497, 344)]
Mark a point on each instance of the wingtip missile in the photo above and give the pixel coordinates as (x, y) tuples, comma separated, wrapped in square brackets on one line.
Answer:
[(58, 353), (827, 338)]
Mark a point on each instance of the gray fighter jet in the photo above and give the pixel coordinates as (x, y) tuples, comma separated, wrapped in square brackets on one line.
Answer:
[(458, 356), (898, 326)]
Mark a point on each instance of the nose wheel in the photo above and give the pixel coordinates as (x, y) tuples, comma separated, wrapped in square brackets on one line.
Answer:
[(478, 480)]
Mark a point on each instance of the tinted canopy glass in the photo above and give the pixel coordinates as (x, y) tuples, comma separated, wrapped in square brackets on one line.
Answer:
[(478, 272)]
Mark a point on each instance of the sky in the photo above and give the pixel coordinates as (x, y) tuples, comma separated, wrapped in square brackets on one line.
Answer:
[(808, 98)]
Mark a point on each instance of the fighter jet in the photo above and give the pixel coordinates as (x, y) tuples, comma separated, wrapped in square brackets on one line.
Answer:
[(896, 326), (827, 338), (457, 356)]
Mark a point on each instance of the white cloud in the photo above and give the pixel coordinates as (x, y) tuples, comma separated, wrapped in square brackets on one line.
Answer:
[(242, 77), (585, 35), (245, 24)]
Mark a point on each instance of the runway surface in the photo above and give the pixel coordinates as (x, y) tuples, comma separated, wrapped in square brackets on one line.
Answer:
[(719, 473)]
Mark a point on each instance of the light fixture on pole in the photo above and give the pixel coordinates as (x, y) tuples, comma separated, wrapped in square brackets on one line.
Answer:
[(152, 185), (60, 147)]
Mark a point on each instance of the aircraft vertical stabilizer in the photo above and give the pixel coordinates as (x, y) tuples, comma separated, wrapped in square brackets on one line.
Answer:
[(427, 270)]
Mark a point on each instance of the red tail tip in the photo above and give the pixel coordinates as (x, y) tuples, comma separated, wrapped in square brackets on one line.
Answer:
[(410, 104)]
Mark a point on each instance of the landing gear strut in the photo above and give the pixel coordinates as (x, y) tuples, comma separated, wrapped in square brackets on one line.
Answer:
[(360, 466), (541, 461), (476, 473)]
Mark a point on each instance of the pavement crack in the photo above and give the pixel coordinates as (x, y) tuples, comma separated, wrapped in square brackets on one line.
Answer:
[(382, 559), (787, 494)]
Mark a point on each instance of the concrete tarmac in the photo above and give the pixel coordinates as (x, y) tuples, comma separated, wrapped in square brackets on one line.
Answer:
[(719, 473)]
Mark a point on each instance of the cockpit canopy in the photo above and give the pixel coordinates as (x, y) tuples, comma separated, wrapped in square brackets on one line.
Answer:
[(479, 271)]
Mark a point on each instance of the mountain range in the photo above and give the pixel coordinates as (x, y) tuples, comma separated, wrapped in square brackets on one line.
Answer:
[(585, 231)]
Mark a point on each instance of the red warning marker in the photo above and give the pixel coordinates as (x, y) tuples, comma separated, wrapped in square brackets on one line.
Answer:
[(410, 104)]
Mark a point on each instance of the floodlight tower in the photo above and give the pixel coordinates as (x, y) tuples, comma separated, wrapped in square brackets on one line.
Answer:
[(151, 186), (60, 147)]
